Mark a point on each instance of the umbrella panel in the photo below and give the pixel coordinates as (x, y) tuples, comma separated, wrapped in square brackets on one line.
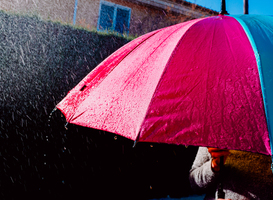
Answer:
[(196, 83)]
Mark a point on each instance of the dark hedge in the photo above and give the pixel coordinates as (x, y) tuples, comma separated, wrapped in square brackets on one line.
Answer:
[(40, 61)]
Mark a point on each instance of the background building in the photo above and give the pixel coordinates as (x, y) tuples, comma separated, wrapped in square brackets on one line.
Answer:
[(135, 17)]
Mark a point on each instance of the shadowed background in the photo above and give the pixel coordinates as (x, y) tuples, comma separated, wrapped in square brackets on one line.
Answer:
[(40, 62)]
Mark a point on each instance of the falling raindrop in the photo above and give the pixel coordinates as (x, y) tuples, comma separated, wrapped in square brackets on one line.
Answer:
[(38, 59), (11, 179)]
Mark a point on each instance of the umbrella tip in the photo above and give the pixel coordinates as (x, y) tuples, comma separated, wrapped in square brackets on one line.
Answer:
[(135, 142), (65, 126), (223, 8)]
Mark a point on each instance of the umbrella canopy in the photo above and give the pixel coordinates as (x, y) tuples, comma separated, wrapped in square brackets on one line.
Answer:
[(205, 82)]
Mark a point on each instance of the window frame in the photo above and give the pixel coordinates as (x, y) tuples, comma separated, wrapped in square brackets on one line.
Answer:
[(116, 6)]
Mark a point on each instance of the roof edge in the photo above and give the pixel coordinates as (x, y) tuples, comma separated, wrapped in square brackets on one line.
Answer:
[(178, 8)]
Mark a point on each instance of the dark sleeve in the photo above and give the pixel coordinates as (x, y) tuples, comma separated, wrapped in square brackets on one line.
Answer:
[(201, 176)]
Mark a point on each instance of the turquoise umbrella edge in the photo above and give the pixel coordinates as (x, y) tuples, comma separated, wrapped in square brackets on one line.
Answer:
[(263, 68)]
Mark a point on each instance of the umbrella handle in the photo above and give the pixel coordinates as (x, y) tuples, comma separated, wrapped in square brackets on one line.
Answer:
[(221, 193)]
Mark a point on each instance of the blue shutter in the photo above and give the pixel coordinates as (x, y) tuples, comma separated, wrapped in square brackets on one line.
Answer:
[(106, 17), (113, 17), (122, 20)]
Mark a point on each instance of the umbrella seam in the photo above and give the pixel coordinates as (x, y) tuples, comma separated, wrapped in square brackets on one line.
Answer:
[(229, 43), (167, 66), (138, 132), (211, 45), (233, 56), (103, 124), (258, 60), (72, 116)]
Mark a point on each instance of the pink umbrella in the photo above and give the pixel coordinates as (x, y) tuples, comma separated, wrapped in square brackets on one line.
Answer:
[(204, 82)]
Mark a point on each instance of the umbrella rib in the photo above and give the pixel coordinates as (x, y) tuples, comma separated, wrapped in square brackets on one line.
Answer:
[(155, 32), (71, 118), (135, 73), (128, 82), (154, 52), (165, 69), (241, 75), (236, 65), (207, 79)]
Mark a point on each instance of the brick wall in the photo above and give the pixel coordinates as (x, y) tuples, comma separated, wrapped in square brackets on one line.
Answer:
[(144, 18)]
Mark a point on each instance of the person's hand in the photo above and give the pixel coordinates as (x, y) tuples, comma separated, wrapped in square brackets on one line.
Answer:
[(216, 154)]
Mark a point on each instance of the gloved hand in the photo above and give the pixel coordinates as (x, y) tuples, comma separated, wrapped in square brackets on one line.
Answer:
[(216, 153)]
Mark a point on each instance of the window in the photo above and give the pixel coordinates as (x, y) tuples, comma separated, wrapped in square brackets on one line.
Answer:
[(113, 17)]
